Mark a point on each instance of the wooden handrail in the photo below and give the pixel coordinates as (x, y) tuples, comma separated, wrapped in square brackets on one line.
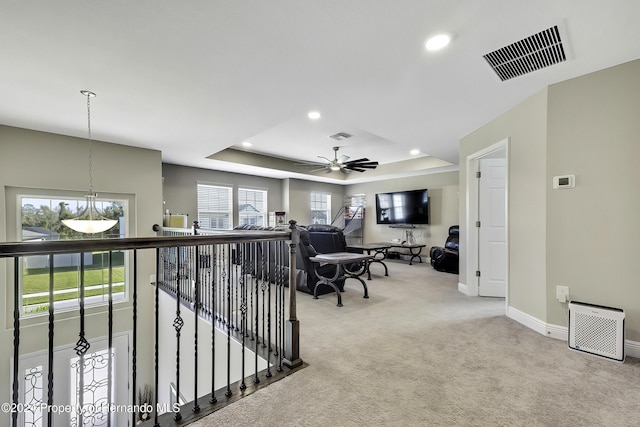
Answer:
[(12, 249)]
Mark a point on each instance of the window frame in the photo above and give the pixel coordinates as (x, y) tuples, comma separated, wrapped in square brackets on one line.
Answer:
[(199, 210), (17, 194), (325, 199), (262, 214)]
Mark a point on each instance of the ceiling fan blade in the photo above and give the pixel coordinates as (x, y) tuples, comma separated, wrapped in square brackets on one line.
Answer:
[(354, 168), (366, 165), (328, 161), (343, 159), (357, 161)]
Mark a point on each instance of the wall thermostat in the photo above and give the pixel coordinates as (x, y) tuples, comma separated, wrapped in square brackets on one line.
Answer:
[(564, 181)]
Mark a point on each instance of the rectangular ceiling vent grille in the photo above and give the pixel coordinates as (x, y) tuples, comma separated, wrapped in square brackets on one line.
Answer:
[(340, 136), (527, 55)]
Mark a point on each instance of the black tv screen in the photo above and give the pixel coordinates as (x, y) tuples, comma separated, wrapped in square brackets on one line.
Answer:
[(403, 207)]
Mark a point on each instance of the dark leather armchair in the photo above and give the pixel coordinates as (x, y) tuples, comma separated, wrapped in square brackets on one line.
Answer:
[(327, 239), (307, 250), (446, 259)]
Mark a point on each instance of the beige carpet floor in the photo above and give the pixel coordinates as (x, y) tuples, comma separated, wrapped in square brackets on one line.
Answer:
[(420, 353)]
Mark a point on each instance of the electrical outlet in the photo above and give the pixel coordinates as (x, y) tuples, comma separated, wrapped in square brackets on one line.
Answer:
[(562, 293)]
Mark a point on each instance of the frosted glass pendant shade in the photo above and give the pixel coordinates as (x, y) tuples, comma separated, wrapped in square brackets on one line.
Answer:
[(90, 221)]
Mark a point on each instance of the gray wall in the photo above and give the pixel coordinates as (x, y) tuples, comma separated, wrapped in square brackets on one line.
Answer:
[(525, 125), (443, 207), (40, 160), (299, 198), (180, 192), (593, 230), (583, 238)]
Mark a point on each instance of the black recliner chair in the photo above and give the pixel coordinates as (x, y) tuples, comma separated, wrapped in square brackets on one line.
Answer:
[(446, 259)]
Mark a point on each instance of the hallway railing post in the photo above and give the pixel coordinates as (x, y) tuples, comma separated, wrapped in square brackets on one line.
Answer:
[(292, 333)]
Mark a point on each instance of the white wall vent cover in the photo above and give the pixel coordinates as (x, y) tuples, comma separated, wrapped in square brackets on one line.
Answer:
[(528, 55), (597, 330)]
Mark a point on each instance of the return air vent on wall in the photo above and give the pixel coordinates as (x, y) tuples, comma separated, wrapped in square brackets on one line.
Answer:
[(527, 55)]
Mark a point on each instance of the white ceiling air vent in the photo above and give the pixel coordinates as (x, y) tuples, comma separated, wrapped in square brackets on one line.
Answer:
[(527, 55), (340, 136)]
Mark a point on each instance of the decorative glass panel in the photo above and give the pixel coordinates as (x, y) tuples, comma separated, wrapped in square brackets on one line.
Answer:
[(33, 395), (93, 369)]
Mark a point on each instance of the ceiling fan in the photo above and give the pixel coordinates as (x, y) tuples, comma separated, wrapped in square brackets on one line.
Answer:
[(343, 164)]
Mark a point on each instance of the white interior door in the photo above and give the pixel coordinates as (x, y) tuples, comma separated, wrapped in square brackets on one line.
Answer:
[(492, 234)]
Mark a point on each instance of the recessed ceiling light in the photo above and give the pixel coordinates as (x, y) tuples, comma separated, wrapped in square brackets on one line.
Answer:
[(414, 152), (313, 115), (437, 42), (246, 143)]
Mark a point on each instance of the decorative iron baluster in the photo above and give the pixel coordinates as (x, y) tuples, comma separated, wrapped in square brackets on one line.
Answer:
[(177, 325), (16, 337), (263, 287), (253, 283), (283, 280), (110, 338), (278, 280), (223, 286), (213, 271), (82, 345), (228, 286), (51, 326), (134, 339), (196, 302), (235, 285), (243, 311), (157, 336), (267, 338), (258, 265)]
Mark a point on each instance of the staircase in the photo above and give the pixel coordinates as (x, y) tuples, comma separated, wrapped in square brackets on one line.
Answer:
[(219, 322)]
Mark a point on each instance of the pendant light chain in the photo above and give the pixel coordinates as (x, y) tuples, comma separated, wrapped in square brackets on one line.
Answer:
[(89, 95), (90, 220)]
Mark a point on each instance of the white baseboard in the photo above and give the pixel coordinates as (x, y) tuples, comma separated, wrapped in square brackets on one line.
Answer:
[(527, 320), (470, 291), (463, 288), (631, 348)]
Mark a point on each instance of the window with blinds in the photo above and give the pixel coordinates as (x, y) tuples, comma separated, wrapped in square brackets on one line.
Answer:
[(215, 206), (320, 208), (252, 207)]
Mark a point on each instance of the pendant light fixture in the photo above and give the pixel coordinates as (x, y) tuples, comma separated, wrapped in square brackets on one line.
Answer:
[(90, 220)]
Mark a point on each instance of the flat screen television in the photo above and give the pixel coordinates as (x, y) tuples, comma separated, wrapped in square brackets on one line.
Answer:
[(403, 207)]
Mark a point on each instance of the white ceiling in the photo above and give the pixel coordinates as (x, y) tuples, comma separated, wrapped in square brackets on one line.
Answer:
[(192, 79)]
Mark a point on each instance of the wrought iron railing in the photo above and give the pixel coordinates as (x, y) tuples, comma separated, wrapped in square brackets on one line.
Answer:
[(235, 280)]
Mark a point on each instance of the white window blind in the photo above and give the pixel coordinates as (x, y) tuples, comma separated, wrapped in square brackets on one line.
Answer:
[(214, 206), (252, 206)]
